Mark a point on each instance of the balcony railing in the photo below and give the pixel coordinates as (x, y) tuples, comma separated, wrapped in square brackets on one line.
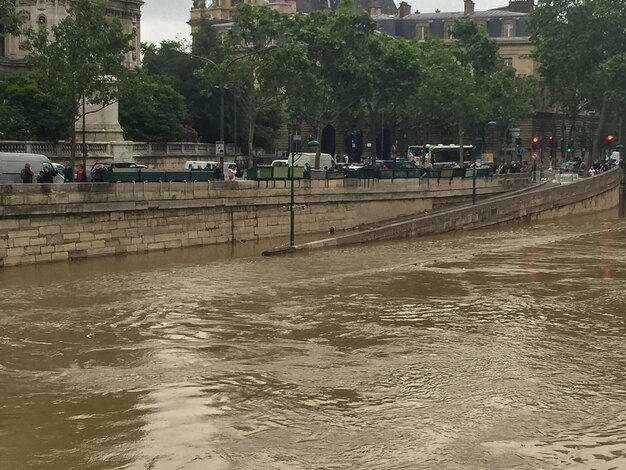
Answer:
[(104, 149)]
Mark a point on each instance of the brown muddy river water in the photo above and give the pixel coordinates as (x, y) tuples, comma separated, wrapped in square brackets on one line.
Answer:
[(489, 349)]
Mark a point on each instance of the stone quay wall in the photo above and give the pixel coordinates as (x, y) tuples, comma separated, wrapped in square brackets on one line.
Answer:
[(58, 222), (546, 201)]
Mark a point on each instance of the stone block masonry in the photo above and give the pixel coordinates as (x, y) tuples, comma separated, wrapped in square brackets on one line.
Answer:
[(60, 222)]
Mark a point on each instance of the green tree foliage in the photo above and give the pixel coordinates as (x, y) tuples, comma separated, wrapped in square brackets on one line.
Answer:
[(577, 41), (81, 56), (150, 110), (9, 19), (29, 111)]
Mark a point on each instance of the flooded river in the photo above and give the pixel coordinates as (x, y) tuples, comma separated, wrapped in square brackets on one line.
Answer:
[(489, 349)]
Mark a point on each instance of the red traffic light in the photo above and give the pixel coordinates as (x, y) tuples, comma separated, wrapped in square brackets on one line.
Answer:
[(535, 140), (551, 138), (610, 138)]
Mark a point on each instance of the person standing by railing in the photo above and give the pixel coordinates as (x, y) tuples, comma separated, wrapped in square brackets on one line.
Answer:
[(27, 174), (68, 176), (80, 174)]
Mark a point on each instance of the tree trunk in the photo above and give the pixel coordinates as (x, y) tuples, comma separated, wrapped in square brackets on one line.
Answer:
[(318, 150), (596, 142), (461, 145)]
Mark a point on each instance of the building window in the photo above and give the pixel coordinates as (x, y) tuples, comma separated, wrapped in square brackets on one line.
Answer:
[(508, 30), (508, 61), (42, 23), (422, 32)]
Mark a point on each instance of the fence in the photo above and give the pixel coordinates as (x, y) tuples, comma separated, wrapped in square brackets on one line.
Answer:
[(60, 150)]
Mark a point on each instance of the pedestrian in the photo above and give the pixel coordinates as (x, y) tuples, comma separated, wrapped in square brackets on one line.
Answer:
[(46, 175), (80, 174), (217, 173), (232, 173), (68, 177), (27, 174)]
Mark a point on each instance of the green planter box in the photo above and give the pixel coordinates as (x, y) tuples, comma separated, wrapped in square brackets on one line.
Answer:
[(120, 176), (178, 175), (263, 172), (298, 172), (196, 175), (152, 175), (280, 172)]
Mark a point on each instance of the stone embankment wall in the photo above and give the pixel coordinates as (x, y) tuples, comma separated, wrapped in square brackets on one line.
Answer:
[(43, 223), (546, 201)]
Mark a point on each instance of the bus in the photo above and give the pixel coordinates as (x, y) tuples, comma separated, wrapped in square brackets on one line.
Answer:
[(441, 155)]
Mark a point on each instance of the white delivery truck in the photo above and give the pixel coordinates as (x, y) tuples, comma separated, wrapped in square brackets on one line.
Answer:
[(301, 159), (11, 165)]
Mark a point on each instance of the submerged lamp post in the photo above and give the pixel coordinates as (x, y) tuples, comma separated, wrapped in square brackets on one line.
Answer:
[(490, 125), (295, 150)]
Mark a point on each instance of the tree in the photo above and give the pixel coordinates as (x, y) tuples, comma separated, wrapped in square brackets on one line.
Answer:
[(9, 19), (573, 38), (81, 59), (29, 111), (150, 109), (171, 64), (321, 65), (251, 70)]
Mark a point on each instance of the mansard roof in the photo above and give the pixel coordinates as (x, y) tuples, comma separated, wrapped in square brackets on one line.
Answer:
[(388, 7), (459, 14)]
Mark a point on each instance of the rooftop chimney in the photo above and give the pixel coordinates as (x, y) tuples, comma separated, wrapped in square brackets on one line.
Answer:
[(404, 10), (375, 10), (469, 7)]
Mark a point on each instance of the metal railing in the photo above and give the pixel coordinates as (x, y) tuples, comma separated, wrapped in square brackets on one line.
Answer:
[(105, 149)]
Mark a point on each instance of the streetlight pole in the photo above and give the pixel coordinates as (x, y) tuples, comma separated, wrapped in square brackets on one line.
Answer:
[(295, 150), (292, 216), (474, 183)]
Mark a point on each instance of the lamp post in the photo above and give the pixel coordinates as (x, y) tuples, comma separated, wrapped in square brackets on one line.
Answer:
[(490, 125), (295, 139)]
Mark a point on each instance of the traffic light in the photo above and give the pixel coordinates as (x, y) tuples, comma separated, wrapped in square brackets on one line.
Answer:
[(536, 143), (568, 150), (610, 140), (518, 142)]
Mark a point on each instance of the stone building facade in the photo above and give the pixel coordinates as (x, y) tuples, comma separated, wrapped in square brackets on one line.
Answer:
[(102, 126)]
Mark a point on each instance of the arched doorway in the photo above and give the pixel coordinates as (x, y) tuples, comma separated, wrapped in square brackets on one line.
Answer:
[(328, 144)]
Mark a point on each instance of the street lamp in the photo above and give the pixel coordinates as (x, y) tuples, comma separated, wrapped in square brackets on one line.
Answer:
[(490, 125), (295, 139)]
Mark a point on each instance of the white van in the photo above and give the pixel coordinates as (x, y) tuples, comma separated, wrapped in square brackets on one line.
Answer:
[(11, 165), (201, 165), (326, 160)]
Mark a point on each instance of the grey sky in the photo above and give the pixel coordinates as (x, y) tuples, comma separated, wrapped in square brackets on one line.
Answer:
[(167, 19)]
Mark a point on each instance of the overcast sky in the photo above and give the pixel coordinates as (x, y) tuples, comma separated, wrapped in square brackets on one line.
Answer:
[(167, 19)]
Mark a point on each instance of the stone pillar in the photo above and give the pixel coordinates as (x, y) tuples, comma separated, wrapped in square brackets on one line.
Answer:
[(122, 151), (100, 126)]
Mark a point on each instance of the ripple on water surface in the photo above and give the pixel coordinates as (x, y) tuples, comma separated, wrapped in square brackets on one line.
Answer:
[(499, 349)]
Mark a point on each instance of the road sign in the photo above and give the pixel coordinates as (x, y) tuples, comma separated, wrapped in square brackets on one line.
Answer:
[(520, 152), (219, 148), (535, 155)]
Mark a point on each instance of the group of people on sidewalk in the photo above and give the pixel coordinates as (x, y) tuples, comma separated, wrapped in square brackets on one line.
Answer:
[(48, 174)]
